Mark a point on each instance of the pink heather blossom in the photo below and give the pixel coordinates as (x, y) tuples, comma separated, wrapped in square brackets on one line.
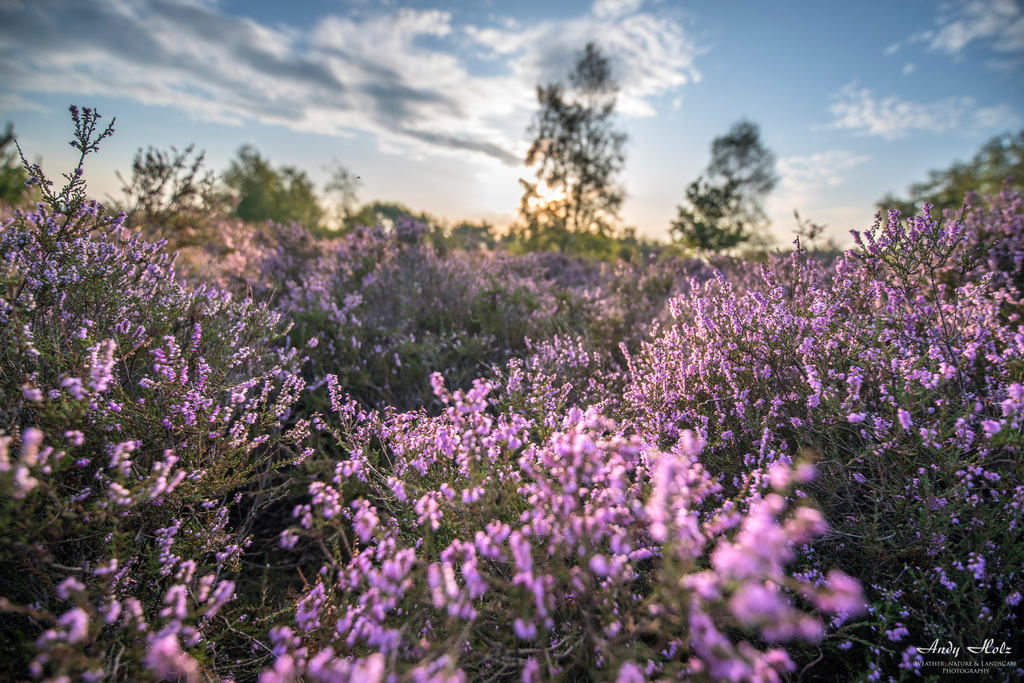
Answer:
[(905, 420), (166, 660), (288, 539), (779, 474), (991, 427), (30, 442), (69, 586), (630, 673), (690, 444), (521, 551), (77, 624), (599, 565), (531, 672), (843, 594), (524, 630)]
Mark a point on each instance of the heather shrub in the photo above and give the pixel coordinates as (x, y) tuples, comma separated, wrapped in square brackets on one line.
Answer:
[(994, 232), (497, 544), (387, 309), (900, 370), (642, 471), (136, 416)]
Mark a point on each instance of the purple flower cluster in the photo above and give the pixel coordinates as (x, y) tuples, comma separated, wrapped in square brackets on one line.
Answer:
[(547, 547), (898, 369)]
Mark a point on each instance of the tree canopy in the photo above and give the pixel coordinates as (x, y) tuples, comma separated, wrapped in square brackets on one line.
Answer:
[(724, 209), (282, 195), (12, 173)]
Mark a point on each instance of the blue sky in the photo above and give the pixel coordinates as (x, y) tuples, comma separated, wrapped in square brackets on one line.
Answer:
[(429, 102)]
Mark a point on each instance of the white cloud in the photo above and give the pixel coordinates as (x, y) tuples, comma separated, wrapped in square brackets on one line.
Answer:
[(892, 49), (995, 117), (616, 8), (804, 184), (908, 68), (801, 176), (372, 74), (15, 102), (961, 23), (858, 110), (650, 55)]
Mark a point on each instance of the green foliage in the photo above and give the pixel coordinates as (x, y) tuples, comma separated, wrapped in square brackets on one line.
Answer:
[(12, 175), (578, 153), (725, 210), (282, 195), (996, 161), (385, 214), (472, 237)]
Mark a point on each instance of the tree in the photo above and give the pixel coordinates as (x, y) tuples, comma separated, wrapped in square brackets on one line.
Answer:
[(283, 195), (577, 152), (1000, 158), (725, 209)]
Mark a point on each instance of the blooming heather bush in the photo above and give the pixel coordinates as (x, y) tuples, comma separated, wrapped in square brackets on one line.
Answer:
[(493, 544), (134, 412), (582, 513), (387, 309), (995, 233), (907, 387)]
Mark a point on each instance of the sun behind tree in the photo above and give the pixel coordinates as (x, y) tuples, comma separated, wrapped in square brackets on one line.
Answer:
[(578, 153)]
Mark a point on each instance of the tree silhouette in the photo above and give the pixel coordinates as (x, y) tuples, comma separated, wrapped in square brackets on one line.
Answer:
[(725, 209), (12, 174), (577, 152)]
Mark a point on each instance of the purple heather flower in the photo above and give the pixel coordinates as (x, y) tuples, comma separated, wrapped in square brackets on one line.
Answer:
[(531, 672), (524, 630), (991, 427), (69, 586), (630, 673), (77, 624), (166, 660)]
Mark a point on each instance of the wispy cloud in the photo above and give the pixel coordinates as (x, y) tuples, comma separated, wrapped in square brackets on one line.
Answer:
[(801, 174), (372, 74), (14, 102), (650, 54), (998, 22), (857, 109), (804, 184)]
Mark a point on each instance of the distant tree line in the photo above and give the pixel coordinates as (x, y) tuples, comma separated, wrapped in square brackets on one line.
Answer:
[(998, 164), (571, 206)]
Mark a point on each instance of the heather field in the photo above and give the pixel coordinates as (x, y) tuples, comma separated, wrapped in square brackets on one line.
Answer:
[(380, 456)]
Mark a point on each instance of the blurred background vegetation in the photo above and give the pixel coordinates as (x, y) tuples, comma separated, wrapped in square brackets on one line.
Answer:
[(571, 207)]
